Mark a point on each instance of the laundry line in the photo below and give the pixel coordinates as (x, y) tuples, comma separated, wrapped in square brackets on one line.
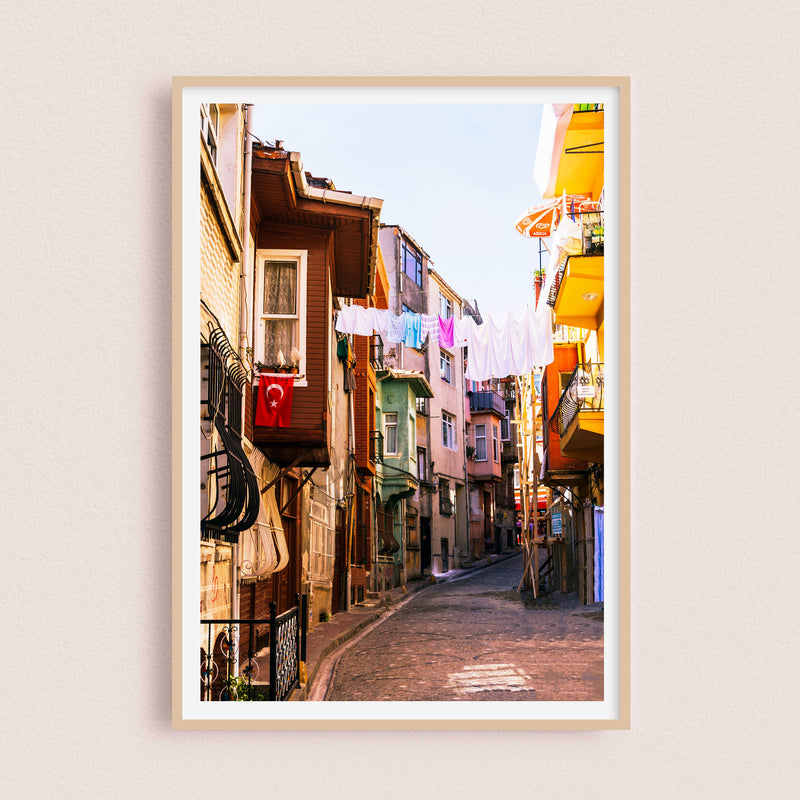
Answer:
[(495, 348)]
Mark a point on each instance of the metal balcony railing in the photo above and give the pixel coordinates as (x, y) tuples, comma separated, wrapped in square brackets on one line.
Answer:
[(224, 638), (593, 223), (487, 401), (584, 392), (376, 352), (376, 447)]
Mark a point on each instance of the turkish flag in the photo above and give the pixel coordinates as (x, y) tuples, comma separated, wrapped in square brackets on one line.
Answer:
[(274, 401)]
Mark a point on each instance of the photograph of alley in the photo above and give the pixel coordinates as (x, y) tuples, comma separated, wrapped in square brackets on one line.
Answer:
[(402, 400)]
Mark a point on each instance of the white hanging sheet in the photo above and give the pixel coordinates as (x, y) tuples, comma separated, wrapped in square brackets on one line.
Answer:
[(496, 349)]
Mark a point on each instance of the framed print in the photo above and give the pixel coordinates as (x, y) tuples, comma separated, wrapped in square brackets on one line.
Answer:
[(401, 320)]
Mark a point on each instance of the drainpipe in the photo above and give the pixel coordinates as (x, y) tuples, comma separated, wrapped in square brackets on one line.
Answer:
[(244, 273), (243, 327), (349, 518), (468, 552)]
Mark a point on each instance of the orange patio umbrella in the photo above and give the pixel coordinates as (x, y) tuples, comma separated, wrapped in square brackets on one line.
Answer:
[(543, 218)]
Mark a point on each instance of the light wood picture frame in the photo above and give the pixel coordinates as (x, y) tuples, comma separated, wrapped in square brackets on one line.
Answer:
[(189, 94)]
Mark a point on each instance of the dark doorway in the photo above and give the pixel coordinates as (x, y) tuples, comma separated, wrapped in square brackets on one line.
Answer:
[(425, 543), (339, 565), (287, 581), (445, 556)]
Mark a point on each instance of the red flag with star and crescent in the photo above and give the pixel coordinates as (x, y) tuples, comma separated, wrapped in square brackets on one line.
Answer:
[(274, 401)]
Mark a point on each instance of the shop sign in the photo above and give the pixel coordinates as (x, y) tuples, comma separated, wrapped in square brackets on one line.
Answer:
[(555, 522)]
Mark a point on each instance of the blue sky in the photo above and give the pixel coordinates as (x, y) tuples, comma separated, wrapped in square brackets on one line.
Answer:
[(454, 176)]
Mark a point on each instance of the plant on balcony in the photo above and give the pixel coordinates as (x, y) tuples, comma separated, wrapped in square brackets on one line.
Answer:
[(470, 453), (239, 690)]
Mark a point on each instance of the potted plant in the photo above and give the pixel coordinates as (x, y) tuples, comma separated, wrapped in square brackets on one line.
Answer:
[(470, 452)]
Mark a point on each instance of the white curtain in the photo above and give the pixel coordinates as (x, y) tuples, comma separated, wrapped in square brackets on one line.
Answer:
[(280, 297)]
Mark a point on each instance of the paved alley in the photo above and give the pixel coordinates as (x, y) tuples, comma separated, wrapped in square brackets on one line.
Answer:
[(476, 638)]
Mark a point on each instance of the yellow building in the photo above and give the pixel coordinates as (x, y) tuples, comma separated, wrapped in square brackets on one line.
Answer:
[(570, 164)]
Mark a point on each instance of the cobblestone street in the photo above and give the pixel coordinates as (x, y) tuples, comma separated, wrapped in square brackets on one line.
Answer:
[(476, 638)]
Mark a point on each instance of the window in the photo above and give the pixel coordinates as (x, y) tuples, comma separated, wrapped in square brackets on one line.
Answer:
[(412, 263), (390, 434), (445, 307), (495, 445), (209, 127), (422, 464), (516, 477), (446, 366), (480, 443), (448, 430), (281, 303), (505, 432), (323, 542), (422, 405), (445, 500), (411, 531), (412, 434)]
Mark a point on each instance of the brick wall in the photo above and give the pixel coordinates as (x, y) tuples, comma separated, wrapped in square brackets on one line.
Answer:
[(219, 274)]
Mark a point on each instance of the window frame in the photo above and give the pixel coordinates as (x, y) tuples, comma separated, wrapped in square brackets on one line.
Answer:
[(422, 464), (209, 130), (449, 424), (300, 257), (445, 305), (445, 360), (408, 248), (482, 438), (386, 425), (495, 444), (445, 497)]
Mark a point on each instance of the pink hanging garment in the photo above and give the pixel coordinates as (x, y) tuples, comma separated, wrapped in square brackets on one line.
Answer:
[(446, 332)]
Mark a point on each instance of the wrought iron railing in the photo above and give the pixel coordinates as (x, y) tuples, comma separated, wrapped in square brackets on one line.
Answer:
[(584, 392), (487, 401), (376, 447), (236, 496), (235, 396), (376, 352), (593, 244), (287, 649)]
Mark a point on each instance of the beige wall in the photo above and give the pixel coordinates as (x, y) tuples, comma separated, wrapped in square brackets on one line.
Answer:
[(219, 273)]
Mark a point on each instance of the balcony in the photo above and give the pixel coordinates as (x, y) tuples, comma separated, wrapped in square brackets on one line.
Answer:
[(487, 401), (577, 292), (578, 418), (376, 352), (445, 506), (375, 447)]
